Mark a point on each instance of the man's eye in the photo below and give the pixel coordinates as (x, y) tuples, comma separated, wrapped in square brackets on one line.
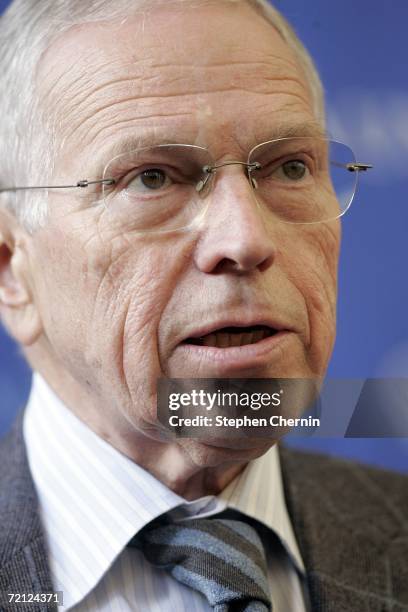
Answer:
[(294, 170), (151, 179)]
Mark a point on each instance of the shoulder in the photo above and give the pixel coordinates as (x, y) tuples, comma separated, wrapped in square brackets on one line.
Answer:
[(346, 493), (353, 479), (23, 557), (18, 499), (12, 453), (350, 521)]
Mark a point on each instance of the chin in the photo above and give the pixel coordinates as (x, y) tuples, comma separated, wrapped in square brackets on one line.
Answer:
[(213, 452)]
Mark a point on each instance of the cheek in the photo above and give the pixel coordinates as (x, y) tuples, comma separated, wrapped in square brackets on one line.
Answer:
[(152, 273), (321, 266), (312, 268), (127, 300), (101, 300)]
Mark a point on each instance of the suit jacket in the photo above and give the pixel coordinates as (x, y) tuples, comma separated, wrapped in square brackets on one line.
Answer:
[(351, 523)]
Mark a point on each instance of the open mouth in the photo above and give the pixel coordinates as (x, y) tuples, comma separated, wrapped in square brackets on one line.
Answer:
[(226, 337)]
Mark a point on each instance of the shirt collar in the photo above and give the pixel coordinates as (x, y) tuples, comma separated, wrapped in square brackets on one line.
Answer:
[(258, 492), (93, 499)]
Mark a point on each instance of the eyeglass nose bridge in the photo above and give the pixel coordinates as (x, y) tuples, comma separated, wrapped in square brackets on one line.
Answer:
[(210, 170)]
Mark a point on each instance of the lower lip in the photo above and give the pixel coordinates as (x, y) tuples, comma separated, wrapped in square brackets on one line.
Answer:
[(234, 358)]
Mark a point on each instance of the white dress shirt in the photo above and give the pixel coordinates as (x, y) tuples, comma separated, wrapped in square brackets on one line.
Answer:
[(93, 500)]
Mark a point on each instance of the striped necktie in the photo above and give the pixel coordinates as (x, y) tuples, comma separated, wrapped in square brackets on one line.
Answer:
[(223, 559)]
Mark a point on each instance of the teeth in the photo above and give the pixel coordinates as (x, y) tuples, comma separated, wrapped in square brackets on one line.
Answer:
[(258, 335), (209, 340), (247, 338), (225, 339), (235, 339)]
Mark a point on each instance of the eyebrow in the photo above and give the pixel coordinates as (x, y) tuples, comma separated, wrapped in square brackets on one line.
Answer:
[(283, 129), (150, 137), (138, 140)]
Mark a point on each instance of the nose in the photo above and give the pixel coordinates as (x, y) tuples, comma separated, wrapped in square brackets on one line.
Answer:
[(234, 235)]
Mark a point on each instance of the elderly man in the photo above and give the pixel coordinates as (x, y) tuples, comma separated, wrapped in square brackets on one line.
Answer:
[(190, 229)]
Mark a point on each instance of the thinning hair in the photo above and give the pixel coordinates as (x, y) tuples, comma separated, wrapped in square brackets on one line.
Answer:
[(27, 143)]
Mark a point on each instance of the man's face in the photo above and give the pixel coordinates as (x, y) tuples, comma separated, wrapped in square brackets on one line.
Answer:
[(118, 307)]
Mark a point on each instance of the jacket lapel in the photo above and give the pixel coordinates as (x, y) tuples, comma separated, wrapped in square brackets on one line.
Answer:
[(354, 541), (23, 558)]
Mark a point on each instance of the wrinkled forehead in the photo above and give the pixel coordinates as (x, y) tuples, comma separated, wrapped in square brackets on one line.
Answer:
[(200, 71)]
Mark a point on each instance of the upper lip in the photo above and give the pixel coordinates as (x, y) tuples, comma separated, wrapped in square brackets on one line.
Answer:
[(236, 321)]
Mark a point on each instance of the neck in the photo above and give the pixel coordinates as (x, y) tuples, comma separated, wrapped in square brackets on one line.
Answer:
[(188, 467)]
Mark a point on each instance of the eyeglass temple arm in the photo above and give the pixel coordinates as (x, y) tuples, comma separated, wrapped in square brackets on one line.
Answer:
[(82, 183), (354, 167)]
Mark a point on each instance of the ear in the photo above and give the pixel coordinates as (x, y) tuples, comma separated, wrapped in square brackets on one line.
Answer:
[(18, 310)]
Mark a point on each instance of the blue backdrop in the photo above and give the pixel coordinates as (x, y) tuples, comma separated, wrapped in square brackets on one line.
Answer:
[(360, 49)]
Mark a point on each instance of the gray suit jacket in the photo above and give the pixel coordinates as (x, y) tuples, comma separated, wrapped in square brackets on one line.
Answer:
[(351, 523)]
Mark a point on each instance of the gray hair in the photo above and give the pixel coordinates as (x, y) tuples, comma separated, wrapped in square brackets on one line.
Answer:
[(27, 29)]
